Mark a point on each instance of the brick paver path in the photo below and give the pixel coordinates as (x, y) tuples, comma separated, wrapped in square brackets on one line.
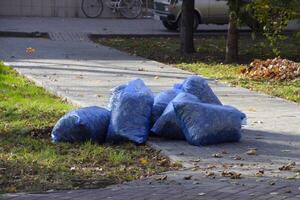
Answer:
[(187, 185)]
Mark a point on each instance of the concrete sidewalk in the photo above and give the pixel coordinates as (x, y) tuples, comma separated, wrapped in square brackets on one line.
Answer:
[(84, 73)]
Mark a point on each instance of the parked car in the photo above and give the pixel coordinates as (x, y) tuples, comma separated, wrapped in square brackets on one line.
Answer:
[(206, 12)]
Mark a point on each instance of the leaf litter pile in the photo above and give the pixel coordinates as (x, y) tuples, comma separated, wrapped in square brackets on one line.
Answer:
[(273, 69)]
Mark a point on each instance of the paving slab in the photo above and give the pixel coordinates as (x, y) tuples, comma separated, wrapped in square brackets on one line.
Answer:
[(83, 73)]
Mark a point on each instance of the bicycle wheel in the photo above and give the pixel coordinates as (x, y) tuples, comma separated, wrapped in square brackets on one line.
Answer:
[(130, 8), (92, 8)]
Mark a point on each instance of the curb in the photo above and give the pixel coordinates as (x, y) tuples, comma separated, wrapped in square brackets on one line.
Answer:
[(24, 34)]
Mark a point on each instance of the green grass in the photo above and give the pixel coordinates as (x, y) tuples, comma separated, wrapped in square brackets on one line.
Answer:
[(209, 57), (30, 162)]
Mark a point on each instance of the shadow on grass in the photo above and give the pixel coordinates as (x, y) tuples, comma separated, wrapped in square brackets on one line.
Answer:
[(209, 49)]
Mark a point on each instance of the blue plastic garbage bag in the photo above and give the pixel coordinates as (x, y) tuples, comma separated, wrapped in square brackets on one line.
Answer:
[(177, 86), (131, 113), (114, 93), (166, 126), (162, 99), (199, 87), (205, 124), (90, 123)]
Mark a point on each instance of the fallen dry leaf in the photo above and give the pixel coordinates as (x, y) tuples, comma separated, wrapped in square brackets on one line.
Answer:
[(252, 152), (188, 177), (162, 178), (144, 161), (30, 50), (210, 174), (163, 162), (295, 176), (237, 157), (260, 173), (210, 167), (217, 155), (231, 174), (195, 168), (287, 167), (252, 110), (196, 182), (272, 183), (224, 151)]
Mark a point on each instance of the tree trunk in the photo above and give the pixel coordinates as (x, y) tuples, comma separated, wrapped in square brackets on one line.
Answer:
[(232, 40), (187, 27)]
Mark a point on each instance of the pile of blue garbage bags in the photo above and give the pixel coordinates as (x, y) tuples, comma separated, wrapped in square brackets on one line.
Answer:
[(189, 111)]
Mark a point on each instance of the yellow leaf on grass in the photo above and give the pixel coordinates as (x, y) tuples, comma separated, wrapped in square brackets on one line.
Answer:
[(144, 161)]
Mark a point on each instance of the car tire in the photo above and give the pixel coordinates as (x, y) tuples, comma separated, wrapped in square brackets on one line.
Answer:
[(196, 22), (172, 26)]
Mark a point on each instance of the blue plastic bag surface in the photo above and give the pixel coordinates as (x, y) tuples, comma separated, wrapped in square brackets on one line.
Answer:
[(161, 101), (114, 95), (131, 113), (166, 126), (199, 87), (205, 124), (90, 123)]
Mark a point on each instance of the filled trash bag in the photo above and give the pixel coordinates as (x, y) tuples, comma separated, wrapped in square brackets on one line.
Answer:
[(131, 113), (199, 87), (114, 92), (166, 126), (205, 124), (162, 99), (90, 123)]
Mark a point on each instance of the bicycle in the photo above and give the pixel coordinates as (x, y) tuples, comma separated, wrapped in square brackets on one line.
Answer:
[(127, 8)]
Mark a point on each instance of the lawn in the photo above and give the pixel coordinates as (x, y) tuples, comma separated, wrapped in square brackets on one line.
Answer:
[(207, 61), (30, 162)]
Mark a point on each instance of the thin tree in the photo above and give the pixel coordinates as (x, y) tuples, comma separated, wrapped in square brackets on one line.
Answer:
[(187, 27), (232, 34)]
